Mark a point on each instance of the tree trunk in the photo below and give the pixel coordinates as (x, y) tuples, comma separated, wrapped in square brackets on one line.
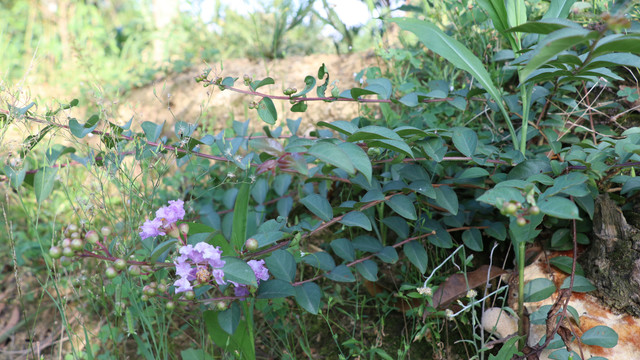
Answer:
[(612, 262)]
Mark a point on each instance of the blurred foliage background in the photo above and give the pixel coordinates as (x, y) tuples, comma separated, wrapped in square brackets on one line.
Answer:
[(119, 44)]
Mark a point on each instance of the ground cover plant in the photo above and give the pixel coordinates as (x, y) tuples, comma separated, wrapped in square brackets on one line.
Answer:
[(405, 219)]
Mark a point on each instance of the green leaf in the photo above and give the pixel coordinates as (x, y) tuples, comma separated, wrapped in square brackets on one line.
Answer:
[(358, 158), (275, 288), (373, 132), (367, 243), (240, 210), (508, 350), (565, 263), (320, 260), (393, 145), (552, 45), (580, 284), (228, 81), (465, 140), (356, 218), (81, 130), (267, 111), (344, 249), (380, 86), (543, 26), (161, 249), (300, 106), (472, 239), (403, 205), (388, 254), (355, 93), (472, 173), (341, 126), (260, 83), (309, 82), (308, 297), (498, 13), (559, 207), (618, 43), (239, 271), (239, 342), (332, 154), (282, 265), (538, 290), (559, 9), (152, 131), (319, 206), (567, 184), (447, 198), (416, 253), (43, 182), (434, 148), (600, 335), (341, 273), (16, 177), (230, 318), (368, 269), (456, 53)]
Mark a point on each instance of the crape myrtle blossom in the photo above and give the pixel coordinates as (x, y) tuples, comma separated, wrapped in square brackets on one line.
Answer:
[(166, 216), (208, 264), (201, 263)]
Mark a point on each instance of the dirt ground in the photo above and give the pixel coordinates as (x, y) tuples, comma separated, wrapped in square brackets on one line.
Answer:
[(193, 103)]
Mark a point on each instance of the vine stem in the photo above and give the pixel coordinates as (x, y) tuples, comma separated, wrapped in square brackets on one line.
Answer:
[(328, 99)]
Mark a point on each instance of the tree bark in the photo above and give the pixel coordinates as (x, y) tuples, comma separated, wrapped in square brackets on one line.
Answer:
[(612, 262)]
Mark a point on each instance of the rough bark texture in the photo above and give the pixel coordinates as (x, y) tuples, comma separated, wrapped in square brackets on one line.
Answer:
[(612, 262)]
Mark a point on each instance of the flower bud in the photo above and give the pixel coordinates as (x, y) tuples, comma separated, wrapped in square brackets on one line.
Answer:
[(66, 242), (144, 297), (521, 221), (72, 228), (534, 210), (92, 237), (184, 228), (190, 295), (105, 231), (120, 264), (170, 305), (221, 305), (251, 244), (162, 288), (77, 244), (110, 272), (55, 252), (134, 270), (75, 235), (173, 231), (68, 252), (511, 208)]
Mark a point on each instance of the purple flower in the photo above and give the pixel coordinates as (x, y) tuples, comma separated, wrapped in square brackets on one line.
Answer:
[(261, 272), (241, 291), (182, 285), (172, 213), (195, 258), (151, 228), (166, 216)]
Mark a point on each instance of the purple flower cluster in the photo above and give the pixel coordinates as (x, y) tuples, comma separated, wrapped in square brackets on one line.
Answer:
[(166, 216), (208, 264), (202, 263)]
